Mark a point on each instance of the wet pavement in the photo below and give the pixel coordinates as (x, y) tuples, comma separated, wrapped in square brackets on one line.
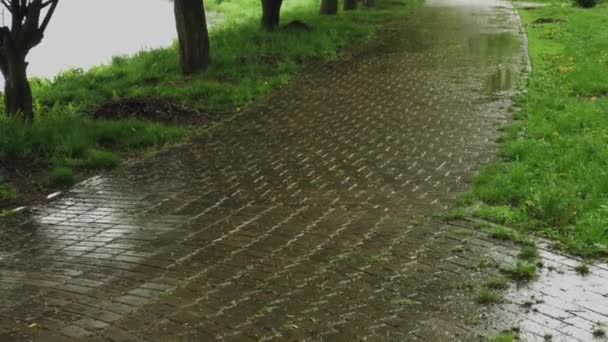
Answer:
[(560, 304), (309, 216)]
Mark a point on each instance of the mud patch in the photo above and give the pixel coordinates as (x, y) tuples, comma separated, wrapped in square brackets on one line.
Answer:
[(151, 109), (25, 176)]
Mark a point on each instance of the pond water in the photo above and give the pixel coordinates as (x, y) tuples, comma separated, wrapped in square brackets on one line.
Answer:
[(84, 33)]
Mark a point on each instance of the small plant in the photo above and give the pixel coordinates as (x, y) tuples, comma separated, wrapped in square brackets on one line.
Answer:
[(7, 191), (582, 269), (462, 232), (62, 177), (548, 337), (599, 331), (455, 214), (167, 293), (528, 253), (486, 263), (405, 302), (486, 296), (521, 271), (502, 337), (500, 233), (497, 283)]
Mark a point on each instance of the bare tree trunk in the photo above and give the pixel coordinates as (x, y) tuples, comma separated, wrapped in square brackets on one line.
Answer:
[(17, 91), (350, 5), (271, 14), (329, 7), (193, 36), (29, 20)]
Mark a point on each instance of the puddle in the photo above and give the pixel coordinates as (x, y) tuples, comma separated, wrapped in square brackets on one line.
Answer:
[(503, 79), (490, 45)]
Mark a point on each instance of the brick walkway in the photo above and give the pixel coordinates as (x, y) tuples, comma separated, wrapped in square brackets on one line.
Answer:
[(309, 216)]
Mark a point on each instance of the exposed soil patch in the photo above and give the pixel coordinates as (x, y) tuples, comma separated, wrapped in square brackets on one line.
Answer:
[(149, 108), (27, 177)]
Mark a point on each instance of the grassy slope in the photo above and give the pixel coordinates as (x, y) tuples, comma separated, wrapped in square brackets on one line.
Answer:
[(247, 64), (553, 176)]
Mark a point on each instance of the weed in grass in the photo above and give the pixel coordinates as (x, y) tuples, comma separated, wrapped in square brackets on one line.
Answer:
[(582, 269), (528, 253), (521, 271), (487, 296), (497, 283), (62, 177)]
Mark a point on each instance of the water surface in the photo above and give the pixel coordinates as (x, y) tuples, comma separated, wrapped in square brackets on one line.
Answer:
[(84, 33)]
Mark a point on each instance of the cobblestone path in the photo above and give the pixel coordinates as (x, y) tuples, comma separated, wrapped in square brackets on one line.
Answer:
[(307, 217)]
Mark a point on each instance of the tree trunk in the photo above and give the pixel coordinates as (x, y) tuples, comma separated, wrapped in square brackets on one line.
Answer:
[(271, 14), (370, 3), (17, 91), (329, 7), (350, 5), (193, 36)]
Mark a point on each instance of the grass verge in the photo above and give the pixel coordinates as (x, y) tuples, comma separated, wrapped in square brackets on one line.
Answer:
[(248, 64), (552, 178)]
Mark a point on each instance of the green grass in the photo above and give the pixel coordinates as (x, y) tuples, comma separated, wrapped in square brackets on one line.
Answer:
[(7, 191), (502, 337), (497, 283), (97, 159), (528, 253), (248, 64), (62, 177), (487, 296), (521, 271), (552, 177), (60, 134)]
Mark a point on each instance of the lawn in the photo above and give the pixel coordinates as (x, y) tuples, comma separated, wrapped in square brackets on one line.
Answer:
[(248, 64), (552, 175)]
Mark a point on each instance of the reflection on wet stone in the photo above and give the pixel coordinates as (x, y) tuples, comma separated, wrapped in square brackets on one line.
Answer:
[(503, 79)]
